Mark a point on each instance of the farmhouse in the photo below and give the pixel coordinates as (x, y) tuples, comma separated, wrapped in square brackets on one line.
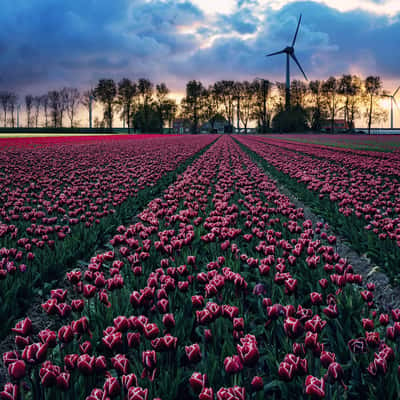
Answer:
[(339, 125), (181, 125)]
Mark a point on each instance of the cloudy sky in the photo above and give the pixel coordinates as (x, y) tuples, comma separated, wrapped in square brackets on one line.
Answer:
[(48, 44)]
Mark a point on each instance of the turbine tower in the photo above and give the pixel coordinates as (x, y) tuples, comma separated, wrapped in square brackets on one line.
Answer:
[(392, 100), (289, 50)]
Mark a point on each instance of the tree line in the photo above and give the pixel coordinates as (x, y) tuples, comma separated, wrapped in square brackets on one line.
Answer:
[(147, 107), (313, 105)]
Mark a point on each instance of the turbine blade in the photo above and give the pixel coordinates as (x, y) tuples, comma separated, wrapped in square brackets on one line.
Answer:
[(394, 94), (298, 64), (274, 54), (297, 31)]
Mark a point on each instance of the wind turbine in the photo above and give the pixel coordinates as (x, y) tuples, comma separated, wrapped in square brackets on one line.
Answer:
[(289, 50), (392, 100)]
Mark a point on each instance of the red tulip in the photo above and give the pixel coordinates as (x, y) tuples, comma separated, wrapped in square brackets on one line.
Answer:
[(63, 381), (48, 374), (70, 361), (168, 321), (21, 341), (112, 387), (206, 394), (10, 392), (357, 345), (193, 353), (86, 364), (65, 334), (78, 305), (96, 394), (100, 364), (315, 387), (233, 364), (10, 357), (17, 370), (293, 327), (257, 383), (316, 298), (286, 371), (129, 380), (384, 319), (372, 338), (23, 327), (149, 359), (137, 393), (198, 381), (35, 353), (327, 358), (235, 393), (121, 323), (120, 364)]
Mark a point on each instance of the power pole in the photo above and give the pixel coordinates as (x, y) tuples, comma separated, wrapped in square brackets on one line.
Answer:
[(238, 114), (90, 109), (264, 106), (287, 89), (18, 107)]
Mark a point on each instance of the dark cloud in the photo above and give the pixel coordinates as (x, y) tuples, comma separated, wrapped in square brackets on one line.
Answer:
[(330, 42), (45, 43), (51, 43)]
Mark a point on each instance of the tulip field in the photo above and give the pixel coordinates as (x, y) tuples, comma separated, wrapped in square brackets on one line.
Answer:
[(175, 268)]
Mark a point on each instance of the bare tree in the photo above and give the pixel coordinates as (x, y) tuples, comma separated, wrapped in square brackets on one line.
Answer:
[(249, 92), (87, 99), (318, 105), (127, 90), (211, 106), (329, 90), (72, 100), (260, 111), (13, 105), (191, 104), (298, 92), (63, 104), (224, 89), (44, 99), (105, 92), (145, 92), (161, 99), (54, 106), (373, 86), (37, 101), (5, 100), (28, 106)]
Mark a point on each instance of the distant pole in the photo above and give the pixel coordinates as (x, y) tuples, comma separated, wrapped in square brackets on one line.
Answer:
[(238, 114), (287, 105), (18, 106), (391, 112), (265, 106), (90, 110)]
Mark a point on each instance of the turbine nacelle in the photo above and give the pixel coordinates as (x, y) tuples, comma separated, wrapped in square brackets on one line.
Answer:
[(289, 50)]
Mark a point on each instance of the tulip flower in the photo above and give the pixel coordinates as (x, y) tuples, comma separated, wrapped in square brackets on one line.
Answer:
[(193, 353), (17, 369), (315, 387), (10, 392), (198, 381)]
